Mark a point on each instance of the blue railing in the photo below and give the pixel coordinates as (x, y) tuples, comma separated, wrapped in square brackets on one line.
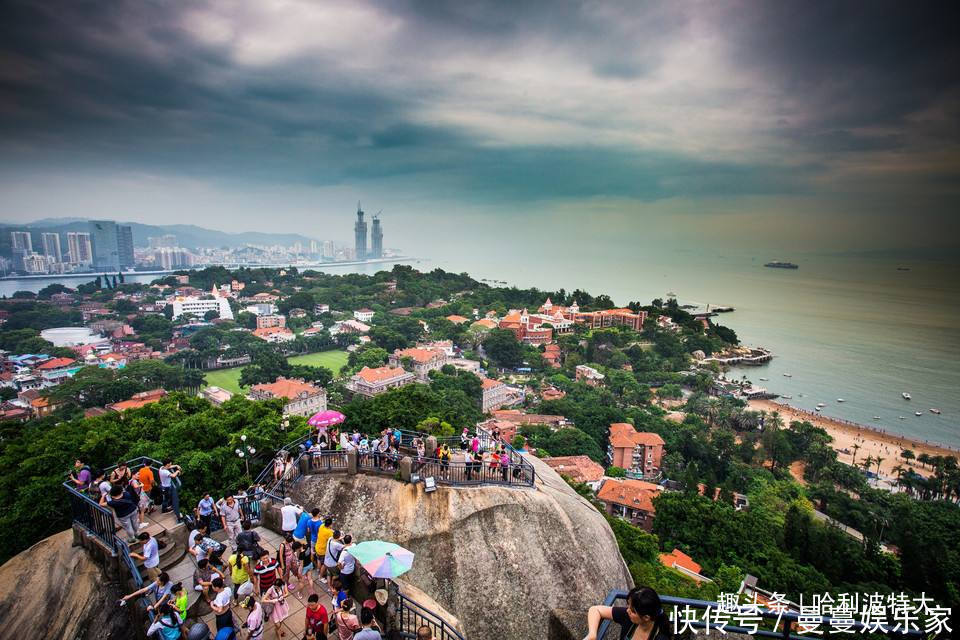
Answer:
[(788, 619)]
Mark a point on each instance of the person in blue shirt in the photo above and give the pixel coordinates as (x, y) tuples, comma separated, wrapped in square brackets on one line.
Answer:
[(206, 508), (313, 526), (300, 533)]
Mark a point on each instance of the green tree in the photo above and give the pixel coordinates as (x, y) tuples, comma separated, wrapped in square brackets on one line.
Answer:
[(616, 472), (503, 348)]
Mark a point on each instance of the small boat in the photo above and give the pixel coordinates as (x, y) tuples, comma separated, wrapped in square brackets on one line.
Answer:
[(788, 375), (840, 400), (763, 379), (819, 408), (918, 413), (936, 411), (903, 417), (787, 397), (876, 417), (906, 396), (821, 405)]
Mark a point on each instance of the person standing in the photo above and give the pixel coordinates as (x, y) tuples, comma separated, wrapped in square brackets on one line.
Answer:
[(221, 603), (277, 596), (266, 572), (301, 532), (321, 535), (169, 473), (81, 476), (125, 510), (255, 619), (317, 619), (642, 619), (147, 485), (289, 513), (149, 554), (332, 555), (206, 510), (159, 590), (121, 474), (347, 564), (370, 630), (347, 623), (231, 517)]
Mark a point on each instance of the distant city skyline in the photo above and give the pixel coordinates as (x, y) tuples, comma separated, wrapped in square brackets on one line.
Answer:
[(787, 126)]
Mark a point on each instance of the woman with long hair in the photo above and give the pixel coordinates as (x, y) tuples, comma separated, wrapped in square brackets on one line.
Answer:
[(642, 619)]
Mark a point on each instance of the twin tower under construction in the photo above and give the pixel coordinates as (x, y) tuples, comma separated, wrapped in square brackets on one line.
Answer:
[(360, 234)]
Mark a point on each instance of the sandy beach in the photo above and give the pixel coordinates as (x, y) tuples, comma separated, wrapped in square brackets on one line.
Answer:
[(872, 443)]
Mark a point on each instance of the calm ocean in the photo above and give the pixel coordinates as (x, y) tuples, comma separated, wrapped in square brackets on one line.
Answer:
[(843, 327)]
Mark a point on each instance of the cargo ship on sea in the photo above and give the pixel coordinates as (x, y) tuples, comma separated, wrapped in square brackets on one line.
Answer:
[(777, 264)]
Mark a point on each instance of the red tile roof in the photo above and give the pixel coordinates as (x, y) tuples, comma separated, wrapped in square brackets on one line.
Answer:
[(423, 356), (577, 468), (455, 319), (677, 558), (635, 494), (489, 383), (56, 363), (486, 322), (623, 434), (380, 374), (138, 400), (287, 388)]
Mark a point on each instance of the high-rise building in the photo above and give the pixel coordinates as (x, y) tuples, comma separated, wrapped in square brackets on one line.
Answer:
[(21, 240), (35, 263), (328, 249), (360, 235), (51, 246), (125, 246), (81, 251), (376, 249), (164, 241), (169, 258), (314, 248), (106, 251)]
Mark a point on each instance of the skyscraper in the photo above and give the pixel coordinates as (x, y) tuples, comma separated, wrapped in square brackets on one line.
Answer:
[(360, 235), (106, 252), (125, 246), (376, 249), (21, 240), (78, 244), (51, 246)]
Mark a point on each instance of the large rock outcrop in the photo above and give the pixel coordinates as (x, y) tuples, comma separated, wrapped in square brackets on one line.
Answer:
[(509, 563), (55, 590)]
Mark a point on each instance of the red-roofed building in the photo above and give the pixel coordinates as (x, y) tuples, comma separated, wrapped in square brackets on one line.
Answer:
[(455, 319), (495, 394), (485, 323), (274, 334), (57, 370), (371, 382), (683, 563), (527, 328), (303, 398), (138, 400), (577, 468), (639, 453), (424, 360), (519, 417), (552, 355), (597, 319), (42, 406), (552, 393), (630, 499)]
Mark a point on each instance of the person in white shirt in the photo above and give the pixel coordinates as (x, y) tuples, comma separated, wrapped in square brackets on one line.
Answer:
[(289, 514), (221, 603)]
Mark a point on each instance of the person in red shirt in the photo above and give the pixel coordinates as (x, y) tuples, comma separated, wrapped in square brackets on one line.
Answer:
[(316, 627)]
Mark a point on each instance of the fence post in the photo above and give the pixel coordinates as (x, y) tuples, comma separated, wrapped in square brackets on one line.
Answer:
[(352, 462), (406, 468)]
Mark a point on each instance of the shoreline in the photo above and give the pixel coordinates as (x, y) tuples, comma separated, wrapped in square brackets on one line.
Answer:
[(871, 441)]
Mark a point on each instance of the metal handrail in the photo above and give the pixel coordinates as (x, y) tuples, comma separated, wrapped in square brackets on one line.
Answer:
[(93, 517), (411, 611), (789, 619)]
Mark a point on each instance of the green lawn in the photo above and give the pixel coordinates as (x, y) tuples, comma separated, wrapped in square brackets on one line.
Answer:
[(332, 360), (229, 379)]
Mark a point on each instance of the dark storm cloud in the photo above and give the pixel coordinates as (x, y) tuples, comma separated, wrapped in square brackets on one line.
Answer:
[(467, 99)]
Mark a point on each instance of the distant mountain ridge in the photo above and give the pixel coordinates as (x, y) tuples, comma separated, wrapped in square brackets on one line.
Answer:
[(188, 235)]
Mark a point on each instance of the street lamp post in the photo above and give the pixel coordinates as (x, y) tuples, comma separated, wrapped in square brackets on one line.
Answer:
[(245, 455)]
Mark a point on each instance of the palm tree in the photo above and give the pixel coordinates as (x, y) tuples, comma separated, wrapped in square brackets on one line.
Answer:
[(878, 461), (776, 421), (856, 448), (866, 464), (924, 459)]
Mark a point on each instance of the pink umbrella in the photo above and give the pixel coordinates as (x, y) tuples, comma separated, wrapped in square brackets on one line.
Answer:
[(326, 418)]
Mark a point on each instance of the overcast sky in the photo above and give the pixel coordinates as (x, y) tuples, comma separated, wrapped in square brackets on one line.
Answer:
[(787, 124)]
